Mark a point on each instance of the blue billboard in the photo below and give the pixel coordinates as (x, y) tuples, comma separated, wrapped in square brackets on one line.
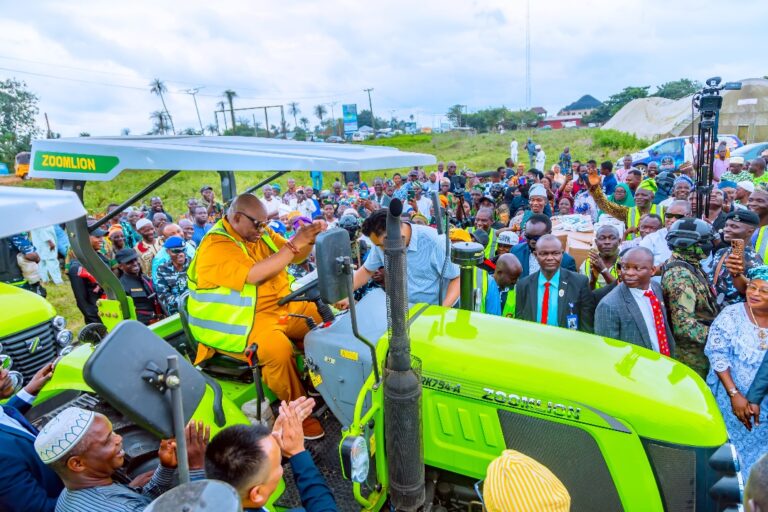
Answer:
[(349, 113)]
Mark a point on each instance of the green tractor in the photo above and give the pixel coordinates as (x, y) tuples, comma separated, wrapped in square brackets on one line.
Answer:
[(418, 398), (31, 333)]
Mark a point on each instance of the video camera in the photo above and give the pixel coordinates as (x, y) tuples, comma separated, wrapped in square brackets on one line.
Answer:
[(708, 102)]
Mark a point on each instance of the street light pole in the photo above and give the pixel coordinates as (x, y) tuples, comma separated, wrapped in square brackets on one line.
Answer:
[(193, 93), (333, 117), (370, 107)]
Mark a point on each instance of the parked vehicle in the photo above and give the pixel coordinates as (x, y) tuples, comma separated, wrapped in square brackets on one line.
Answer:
[(335, 139), (358, 137), (750, 151), (671, 149)]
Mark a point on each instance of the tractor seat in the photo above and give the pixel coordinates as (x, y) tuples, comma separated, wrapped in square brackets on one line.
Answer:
[(220, 364)]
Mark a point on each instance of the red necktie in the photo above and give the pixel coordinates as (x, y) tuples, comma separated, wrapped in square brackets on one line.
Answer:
[(658, 322), (545, 304)]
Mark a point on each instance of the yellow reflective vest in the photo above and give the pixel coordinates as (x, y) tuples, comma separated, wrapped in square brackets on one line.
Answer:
[(222, 318), (761, 245), (633, 217)]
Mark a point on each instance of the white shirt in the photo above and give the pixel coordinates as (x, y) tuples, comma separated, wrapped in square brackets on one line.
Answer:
[(425, 206), (541, 158), (644, 303), (533, 264), (307, 208), (657, 244), (10, 422), (272, 204)]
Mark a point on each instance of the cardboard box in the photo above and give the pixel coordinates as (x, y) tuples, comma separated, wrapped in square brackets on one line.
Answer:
[(578, 250)]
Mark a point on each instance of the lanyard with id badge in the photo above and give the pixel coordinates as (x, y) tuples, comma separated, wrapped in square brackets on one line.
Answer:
[(572, 319)]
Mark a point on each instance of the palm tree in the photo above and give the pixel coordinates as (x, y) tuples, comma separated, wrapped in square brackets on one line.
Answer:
[(320, 112), (220, 107), (158, 87), (212, 129), (230, 95), (160, 122), (293, 109), (304, 123)]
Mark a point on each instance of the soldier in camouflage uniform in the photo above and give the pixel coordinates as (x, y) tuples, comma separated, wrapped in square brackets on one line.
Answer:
[(689, 297)]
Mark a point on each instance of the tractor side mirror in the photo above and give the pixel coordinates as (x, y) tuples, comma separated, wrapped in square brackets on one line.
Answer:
[(329, 247), (128, 369)]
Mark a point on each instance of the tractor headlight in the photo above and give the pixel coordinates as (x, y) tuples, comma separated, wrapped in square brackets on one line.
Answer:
[(64, 338), (355, 460), (59, 322)]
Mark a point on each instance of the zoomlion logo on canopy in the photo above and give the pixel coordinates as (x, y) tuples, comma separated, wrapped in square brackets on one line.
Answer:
[(72, 162)]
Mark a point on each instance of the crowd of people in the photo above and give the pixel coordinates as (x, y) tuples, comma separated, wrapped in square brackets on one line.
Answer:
[(672, 270)]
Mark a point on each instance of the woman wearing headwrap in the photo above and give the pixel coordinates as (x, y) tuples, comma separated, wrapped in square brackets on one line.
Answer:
[(736, 345), (622, 196), (632, 209)]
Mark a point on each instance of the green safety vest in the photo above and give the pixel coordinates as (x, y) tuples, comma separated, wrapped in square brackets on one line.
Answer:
[(614, 271), (490, 249), (633, 217), (762, 243), (508, 311), (481, 281), (222, 318)]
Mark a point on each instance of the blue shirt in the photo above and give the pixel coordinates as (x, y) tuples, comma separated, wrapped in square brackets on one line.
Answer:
[(163, 257), (553, 298), (425, 257), (609, 184), (199, 233)]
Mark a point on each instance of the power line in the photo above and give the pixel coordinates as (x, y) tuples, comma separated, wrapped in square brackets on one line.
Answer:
[(136, 87)]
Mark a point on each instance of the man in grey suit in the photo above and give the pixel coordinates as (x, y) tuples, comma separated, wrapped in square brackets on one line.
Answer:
[(634, 311), (554, 295)]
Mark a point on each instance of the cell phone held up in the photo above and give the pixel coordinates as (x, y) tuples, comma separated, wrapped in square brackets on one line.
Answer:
[(737, 248), (411, 195)]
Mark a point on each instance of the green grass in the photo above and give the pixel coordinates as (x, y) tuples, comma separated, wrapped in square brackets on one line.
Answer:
[(476, 152)]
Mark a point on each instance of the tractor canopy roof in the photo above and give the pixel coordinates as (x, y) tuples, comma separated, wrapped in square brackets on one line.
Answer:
[(103, 158), (23, 209)]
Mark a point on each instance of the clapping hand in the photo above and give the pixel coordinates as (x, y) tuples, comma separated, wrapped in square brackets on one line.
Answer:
[(288, 430), (197, 435)]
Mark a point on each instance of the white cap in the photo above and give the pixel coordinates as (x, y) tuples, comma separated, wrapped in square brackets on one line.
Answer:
[(538, 146), (62, 433), (142, 222), (746, 185), (351, 211), (537, 190), (507, 238), (736, 160)]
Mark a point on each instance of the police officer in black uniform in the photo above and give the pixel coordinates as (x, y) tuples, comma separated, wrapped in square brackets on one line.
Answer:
[(138, 287)]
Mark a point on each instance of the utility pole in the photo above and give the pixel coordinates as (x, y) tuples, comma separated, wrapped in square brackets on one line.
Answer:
[(193, 93), (282, 122), (266, 121), (49, 133), (528, 54), (370, 107), (333, 117)]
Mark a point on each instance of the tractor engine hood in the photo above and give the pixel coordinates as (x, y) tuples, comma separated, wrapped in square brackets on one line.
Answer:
[(565, 374)]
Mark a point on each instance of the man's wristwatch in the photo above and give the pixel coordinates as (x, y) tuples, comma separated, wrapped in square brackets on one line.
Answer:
[(733, 392)]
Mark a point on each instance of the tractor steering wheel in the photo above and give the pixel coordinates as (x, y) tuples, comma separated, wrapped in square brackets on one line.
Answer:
[(307, 293)]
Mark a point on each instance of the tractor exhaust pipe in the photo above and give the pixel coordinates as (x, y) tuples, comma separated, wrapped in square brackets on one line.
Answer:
[(467, 255), (402, 385)]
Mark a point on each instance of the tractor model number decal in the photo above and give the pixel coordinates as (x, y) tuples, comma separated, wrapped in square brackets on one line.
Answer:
[(440, 385), (530, 403)]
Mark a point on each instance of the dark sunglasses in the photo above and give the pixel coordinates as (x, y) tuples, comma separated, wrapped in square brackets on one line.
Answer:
[(258, 224), (177, 250), (674, 216), (533, 238)]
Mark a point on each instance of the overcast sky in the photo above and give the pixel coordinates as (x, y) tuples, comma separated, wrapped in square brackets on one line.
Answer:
[(90, 61)]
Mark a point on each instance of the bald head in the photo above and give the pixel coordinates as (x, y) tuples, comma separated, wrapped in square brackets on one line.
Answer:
[(756, 491), (508, 270), (170, 230), (247, 215)]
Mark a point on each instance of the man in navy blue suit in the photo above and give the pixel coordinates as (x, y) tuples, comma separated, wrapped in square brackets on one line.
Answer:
[(248, 457), (536, 227), (26, 484)]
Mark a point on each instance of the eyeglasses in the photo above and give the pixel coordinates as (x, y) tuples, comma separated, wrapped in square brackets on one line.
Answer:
[(762, 290), (258, 224)]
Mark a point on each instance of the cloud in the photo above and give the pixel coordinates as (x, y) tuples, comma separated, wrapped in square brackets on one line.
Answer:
[(420, 57)]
